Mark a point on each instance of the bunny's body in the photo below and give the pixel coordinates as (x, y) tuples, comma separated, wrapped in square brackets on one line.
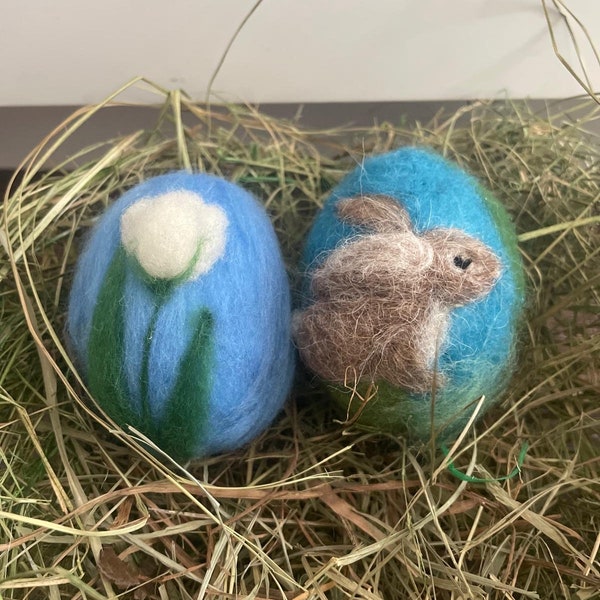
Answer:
[(383, 299)]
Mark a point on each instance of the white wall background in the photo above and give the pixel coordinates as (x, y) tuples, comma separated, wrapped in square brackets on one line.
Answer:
[(56, 54), (60, 52)]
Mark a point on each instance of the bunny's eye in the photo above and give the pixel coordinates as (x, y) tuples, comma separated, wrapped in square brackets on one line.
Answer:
[(462, 263)]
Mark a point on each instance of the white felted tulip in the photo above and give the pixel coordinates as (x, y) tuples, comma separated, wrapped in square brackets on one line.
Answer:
[(173, 235)]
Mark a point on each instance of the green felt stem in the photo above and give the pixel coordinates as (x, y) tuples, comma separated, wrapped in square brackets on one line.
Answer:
[(106, 379), (187, 408), (146, 414)]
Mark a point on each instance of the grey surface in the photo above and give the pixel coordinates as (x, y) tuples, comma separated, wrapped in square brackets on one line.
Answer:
[(22, 128)]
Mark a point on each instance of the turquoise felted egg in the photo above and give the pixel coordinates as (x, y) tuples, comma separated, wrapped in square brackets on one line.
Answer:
[(179, 315), (413, 295)]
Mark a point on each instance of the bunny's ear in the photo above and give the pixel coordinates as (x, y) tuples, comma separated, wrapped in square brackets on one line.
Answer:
[(379, 213)]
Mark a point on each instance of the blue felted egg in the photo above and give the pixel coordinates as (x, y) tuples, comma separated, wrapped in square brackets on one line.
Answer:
[(179, 315), (413, 294)]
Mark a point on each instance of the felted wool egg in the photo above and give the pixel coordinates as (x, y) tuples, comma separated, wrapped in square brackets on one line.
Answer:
[(413, 294), (179, 315)]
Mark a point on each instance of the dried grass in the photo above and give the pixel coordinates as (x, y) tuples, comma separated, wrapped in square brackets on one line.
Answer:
[(312, 509)]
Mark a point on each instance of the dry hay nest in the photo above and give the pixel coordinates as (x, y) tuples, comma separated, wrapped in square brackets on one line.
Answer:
[(313, 508)]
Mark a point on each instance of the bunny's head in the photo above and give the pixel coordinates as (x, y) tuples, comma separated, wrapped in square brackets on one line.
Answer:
[(464, 268), (458, 267)]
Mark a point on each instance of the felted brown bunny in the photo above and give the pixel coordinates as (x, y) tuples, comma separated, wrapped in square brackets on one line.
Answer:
[(383, 298)]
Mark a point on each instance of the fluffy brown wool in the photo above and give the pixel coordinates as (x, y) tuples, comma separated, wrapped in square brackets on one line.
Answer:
[(382, 299)]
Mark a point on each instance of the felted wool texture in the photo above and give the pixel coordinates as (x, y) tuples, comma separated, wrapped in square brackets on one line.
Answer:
[(149, 227), (382, 299), (476, 353), (223, 337)]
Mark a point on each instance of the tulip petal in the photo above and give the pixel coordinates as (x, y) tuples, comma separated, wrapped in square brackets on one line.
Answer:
[(174, 236)]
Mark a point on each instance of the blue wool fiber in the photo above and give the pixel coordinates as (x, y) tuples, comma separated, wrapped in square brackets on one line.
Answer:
[(479, 350), (246, 291)]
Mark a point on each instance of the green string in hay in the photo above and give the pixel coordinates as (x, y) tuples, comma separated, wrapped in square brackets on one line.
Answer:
[(470, 479)]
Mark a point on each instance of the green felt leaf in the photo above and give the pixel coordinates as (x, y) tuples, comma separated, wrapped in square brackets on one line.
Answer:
[(185, 415), (187, 409), (106, 379), (145, 375)]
